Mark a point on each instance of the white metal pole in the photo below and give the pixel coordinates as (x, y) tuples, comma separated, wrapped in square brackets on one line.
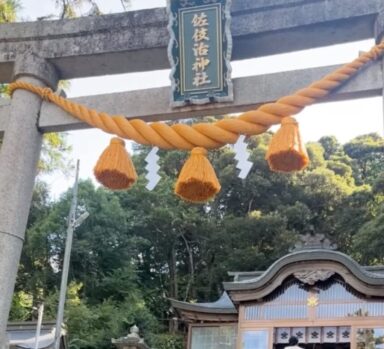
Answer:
[(67, 256), (39, 322)]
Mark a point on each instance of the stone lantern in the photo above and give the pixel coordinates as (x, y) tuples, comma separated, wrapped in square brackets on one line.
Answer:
[(131, 341)]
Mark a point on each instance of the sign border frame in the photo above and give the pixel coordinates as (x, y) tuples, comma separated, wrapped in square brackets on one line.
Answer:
[(227, 79)]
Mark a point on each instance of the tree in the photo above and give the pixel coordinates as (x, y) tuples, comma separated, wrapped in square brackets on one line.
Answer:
[(367, 151), (103, 297), (368, 243), (331, 146), (69, 8), (316, 155), (8, 10), (140, 247), (73, 8)]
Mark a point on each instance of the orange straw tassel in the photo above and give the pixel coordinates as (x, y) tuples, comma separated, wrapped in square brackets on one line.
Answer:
[(115, 169), (287, 152)]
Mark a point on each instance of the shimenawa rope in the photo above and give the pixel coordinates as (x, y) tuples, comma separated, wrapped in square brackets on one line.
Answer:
[(197, 181)]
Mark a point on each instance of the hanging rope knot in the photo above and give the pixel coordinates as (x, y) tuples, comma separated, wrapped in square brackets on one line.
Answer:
[(45, 93), (199, 151), (115, 169), (286, 152), (197, 181), (116, 140), (289, 120)]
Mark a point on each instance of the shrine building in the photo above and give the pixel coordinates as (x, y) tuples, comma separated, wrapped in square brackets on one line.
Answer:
[(321, 296)]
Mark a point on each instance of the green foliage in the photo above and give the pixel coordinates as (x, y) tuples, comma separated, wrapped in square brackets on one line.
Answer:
[(316, 155), (4, 91), (369, 241), (54, 154), (166, 341), (331, 146), (78, 8), (72, 8), (8, 10), (139, 248), (21, 306), (367, 151), (378, 184), (93, 326)]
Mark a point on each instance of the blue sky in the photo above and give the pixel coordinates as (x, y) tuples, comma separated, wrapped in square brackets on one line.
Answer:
[(345, 120)]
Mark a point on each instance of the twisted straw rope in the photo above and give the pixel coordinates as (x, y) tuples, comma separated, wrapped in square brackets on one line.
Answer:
[(207, 135)]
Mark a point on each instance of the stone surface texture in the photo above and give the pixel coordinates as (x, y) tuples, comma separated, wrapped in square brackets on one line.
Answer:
[(136, 41)]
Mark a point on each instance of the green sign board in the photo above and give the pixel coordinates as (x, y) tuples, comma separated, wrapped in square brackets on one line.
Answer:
[(200, 51)]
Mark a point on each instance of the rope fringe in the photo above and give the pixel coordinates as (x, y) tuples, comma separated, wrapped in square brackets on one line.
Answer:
[(115, 169), (287, 152), (197, 181)]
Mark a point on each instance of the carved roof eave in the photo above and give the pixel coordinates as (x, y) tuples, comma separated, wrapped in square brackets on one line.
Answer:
[(196, 317), (193, 317), (366, 282), (193, 312), (198, 308)]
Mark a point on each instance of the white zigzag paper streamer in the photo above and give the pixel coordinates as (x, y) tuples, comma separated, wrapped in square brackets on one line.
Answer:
[(152, 168), (242, 155)]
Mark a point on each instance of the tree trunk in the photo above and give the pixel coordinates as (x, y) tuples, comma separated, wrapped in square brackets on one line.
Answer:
[(191, 267), (173, 289)]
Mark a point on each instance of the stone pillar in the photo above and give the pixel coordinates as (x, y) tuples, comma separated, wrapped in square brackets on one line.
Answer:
[(379, 27), (19, 155)]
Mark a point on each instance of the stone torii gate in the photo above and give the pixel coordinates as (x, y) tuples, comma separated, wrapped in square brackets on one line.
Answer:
[(43, 52)]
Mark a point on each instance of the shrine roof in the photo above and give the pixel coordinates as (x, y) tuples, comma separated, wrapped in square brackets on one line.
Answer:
[(250, 280), (23, 335), (249, 275), (314, 259), (223, 305)]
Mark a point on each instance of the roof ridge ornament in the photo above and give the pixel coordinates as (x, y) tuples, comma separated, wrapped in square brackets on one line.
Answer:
[(311, 276), (313, 242)]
